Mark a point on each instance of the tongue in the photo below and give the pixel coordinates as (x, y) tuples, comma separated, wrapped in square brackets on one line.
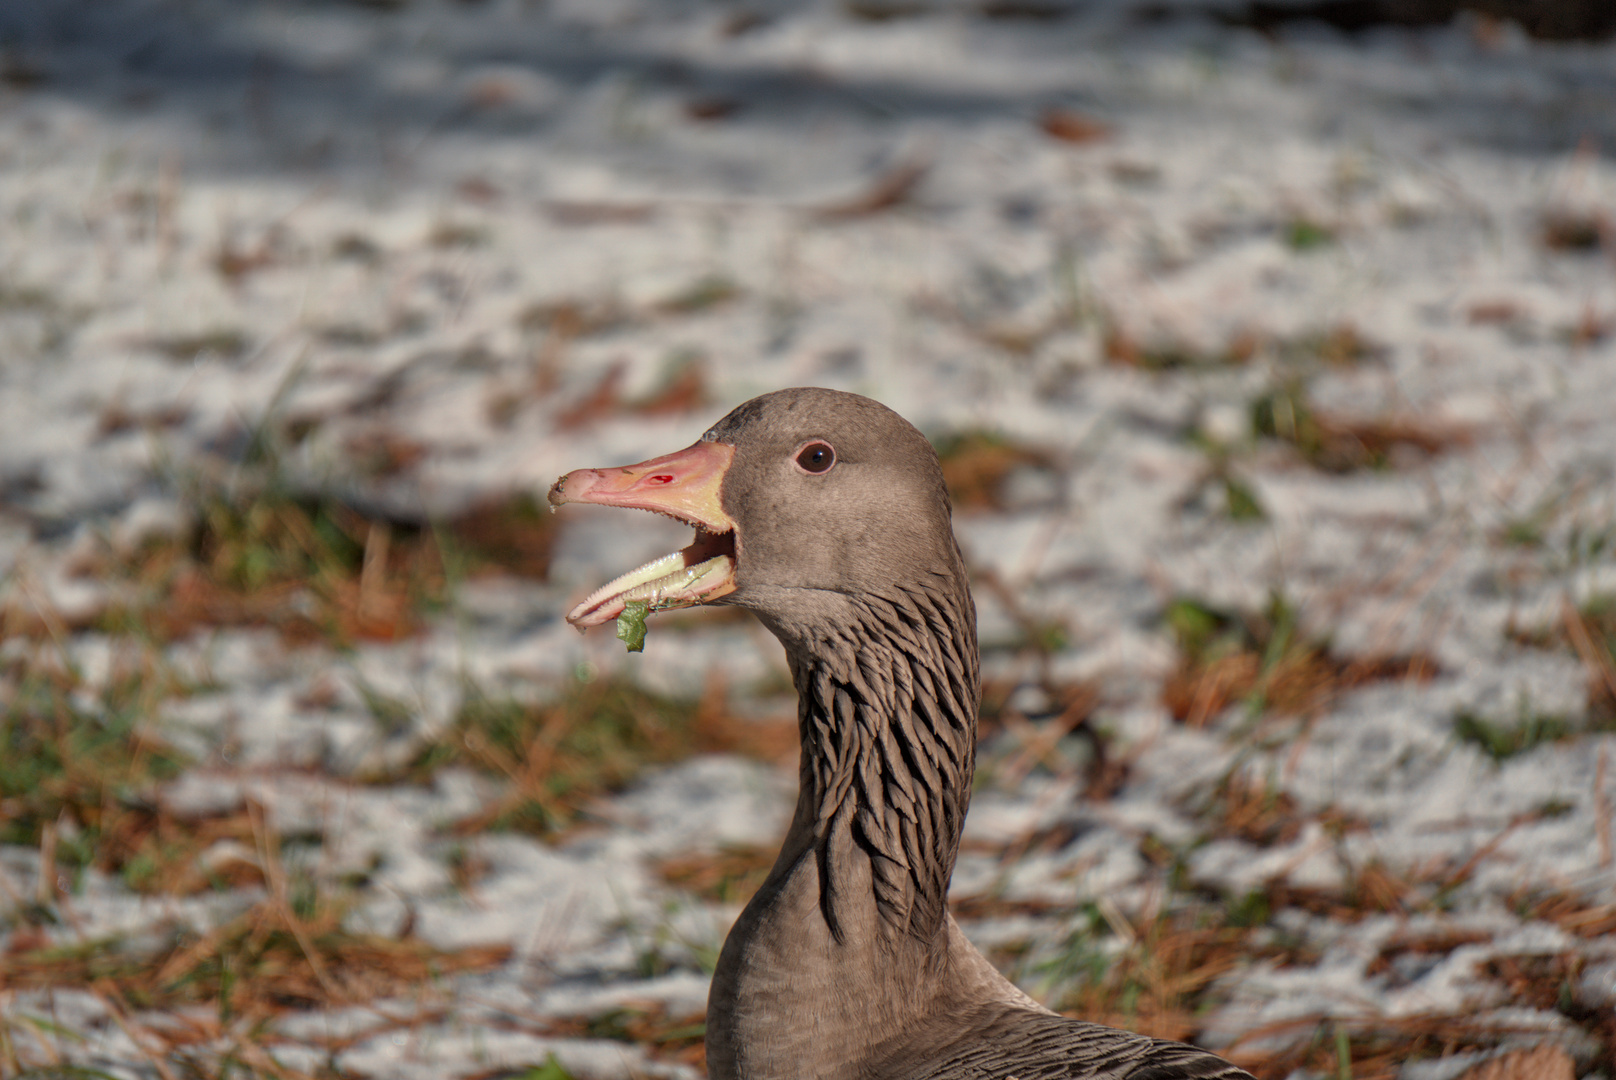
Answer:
[(673, 581)]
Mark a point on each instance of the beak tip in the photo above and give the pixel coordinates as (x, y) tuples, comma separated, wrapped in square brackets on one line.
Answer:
[(557, 494)]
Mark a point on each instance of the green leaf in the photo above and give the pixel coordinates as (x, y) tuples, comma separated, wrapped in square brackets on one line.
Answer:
[(551, 1069), (1241, 501), (1304, 235), (1501, 740), (631, 625)]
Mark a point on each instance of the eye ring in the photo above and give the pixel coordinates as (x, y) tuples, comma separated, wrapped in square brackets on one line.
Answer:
[(816, 457)]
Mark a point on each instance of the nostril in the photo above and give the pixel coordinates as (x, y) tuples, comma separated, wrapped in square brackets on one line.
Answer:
[(663, 479)]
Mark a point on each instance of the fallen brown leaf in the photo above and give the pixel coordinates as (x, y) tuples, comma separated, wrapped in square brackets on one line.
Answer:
[(1538, 1063), (887, 190), (1069, 125)]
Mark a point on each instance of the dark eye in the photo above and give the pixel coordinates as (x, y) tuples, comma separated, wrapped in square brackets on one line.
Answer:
[(816, 457)]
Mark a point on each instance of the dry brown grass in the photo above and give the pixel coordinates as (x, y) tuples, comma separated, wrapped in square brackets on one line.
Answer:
[(572, 318), (1376, 1048), (77, 783), (1265, 660), (1018, 745), (288, 951), (1256, 812), (267, 960), (667, 1038), (987, 906), (683, 389), (156, 851), (1590, 632), (79, 763), (552, 326), (1571, 912), (976, 465), (1372, 887), (1362, 1049), (311, 569), (1125, 350), (1160, 983), (1166, 976), (1302, 682), (1340, 345), (730, 875), (1339, 443), (1407, 943), (1553, 983), (1545, 1062), (1248, 807), (560, 757)]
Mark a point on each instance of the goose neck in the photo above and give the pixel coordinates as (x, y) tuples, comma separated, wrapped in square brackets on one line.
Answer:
[(887, 710)]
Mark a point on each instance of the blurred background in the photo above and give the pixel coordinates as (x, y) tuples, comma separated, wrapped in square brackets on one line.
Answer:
[(1270, 352)]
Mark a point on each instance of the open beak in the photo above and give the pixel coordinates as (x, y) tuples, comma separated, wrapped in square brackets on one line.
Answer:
[(684, 486)]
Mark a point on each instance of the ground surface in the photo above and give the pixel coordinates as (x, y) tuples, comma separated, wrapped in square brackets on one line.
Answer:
[(1274, 376)]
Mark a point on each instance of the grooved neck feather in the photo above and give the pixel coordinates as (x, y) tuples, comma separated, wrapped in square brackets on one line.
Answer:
[(887, 703)]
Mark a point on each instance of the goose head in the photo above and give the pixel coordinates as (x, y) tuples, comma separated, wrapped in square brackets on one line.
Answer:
[(797, 497)]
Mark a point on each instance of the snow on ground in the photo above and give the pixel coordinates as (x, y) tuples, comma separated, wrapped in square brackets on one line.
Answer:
[(366, 222)]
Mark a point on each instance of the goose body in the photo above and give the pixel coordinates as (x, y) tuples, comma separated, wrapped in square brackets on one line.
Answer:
[(825, 514)]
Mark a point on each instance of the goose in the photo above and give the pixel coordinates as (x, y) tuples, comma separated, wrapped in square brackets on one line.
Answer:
[(825, 514)]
